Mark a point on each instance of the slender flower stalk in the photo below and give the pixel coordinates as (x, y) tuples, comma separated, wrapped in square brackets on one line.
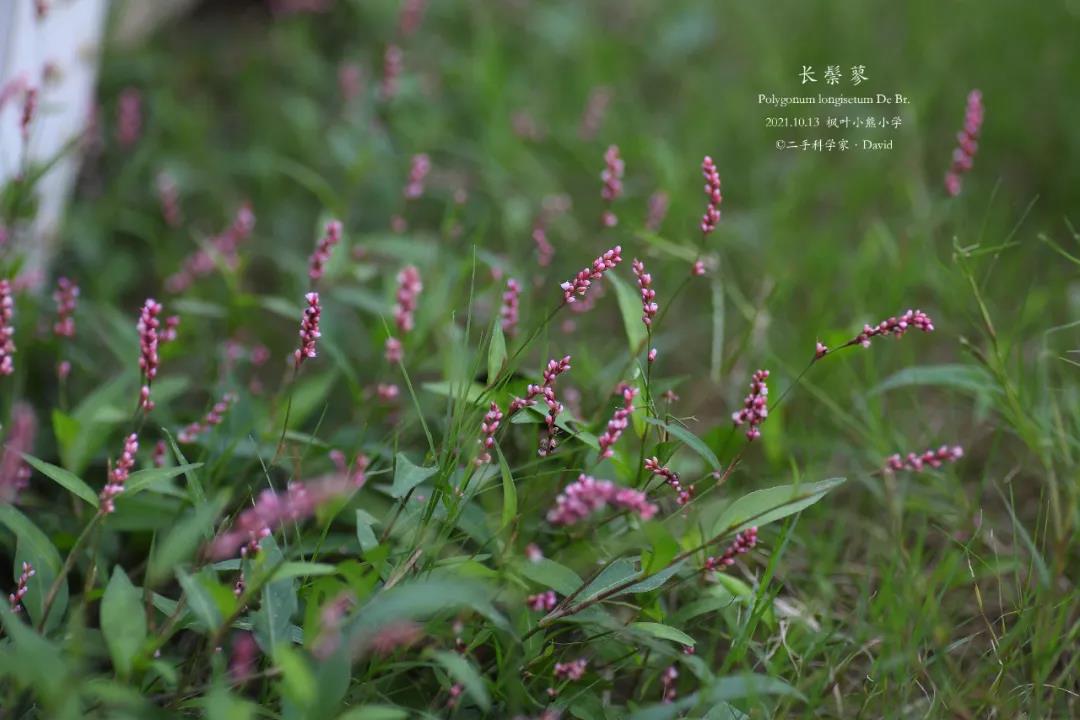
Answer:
[(620, 420), (587, 495), (743, 543), (756, 405), (579, 284), (712, 190), (7, 328), (612, 177), (21, 587), (66, 297), (319, 258), (148, 349), (648, 296), (309, 329), (14, 472), (488, 427), (683, 493), (963, 157), (119, 473), (508, 312), (213, 418), (917, 462)]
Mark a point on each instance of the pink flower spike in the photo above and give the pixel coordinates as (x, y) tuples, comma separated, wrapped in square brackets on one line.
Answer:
[(619, 422), (756, 405), (612, 179), (118, 475), (712, 191), (21, 587), (217, 413), (412, 12), (488, 427), (393, 350), (317, 261), (658, 208), (418, 170), (129, 117), (743, 543), (7, 328), (66, 297), (409, 288), (683, 494), (579, 285), (148, 349), (917, 462), (895, 326), (14, 472), (544, 250), (652, 355), (542, 602), (648, 295), (595, 111), (508, 313), (667, 683), (393, 65), (309, 329), (963, 157), (587, 495), (159, 456)]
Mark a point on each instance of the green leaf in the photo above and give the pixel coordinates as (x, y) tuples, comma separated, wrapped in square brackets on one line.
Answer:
[(653, 581), (298, 681), (152, 478), (472, 393), (630, 308), (195, 488), (68, 480), (614, 574), (279, 603), (664, 632), (496, 351), (36, 548), (408, 475), (691, 440), (364, 533), (123, 621), (550, 574), (200, 600), (735, 687), (374, 712), (463, 672), (971, 379), (33, 659), (510, 503), (294, 569), (765, 506), (182, 540)]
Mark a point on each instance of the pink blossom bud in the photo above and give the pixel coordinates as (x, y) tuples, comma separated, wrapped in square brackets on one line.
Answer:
[(7, 328), (579, 285), (712, 191), (755, 407), (309, 329), (317, 261), (119, 473), (963, 157), (21, 587), (508, 312), (743, 543), (917, 462)]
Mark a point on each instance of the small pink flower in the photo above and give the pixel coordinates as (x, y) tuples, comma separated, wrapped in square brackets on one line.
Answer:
[(579, 285), (554, 369), (712, 190), (963, 157), (63, 369), (419, 168), (331, 616), (409, 288), (895, 326), (387, 392), (159, 454), (393, 65), (148, 349), (917, 462), (223, 249), (129, 117), (191, 433), (698, 268), (169, 332), (508, 312), (7, 328), (652, 355), (118, 475), (488, 427), (533, 552), (683, 494), (21, 587), (658, 208), (820, 350), (544, 249), (542, 602), (317, 261), (667, 683), (743, 543), (169, 199), (309, 329), (30, 97), (572, 670), (14, 472), (587, 495), (393, 350), (620, 420), (648, 295), (756, 405), (612, 178)]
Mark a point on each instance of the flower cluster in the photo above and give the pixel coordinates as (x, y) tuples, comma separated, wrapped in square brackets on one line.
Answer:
[(698, 268), (554, 369), (667, 683), (488, 426), (393, 350), (272, 509), (712, 189), (579, 285), (148, 349), (309, 329), (418, 171), (393, 65), (756, 405), (620, 420), (587, 495), (542, 602), (190, 433), (544, 249), (894, 326), (331, 616), (222, 248), (964, 155), (743, 543), (319, 258), (508, 312), (683, 494), (14, 472), (917, 462), (409, 287), (119, 473), (169, 199), (649, 307), (612, 177), (21, 587), (129, 117), (572, 670), (65, 296), (7, 328)]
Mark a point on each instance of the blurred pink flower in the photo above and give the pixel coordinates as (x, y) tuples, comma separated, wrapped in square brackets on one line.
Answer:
[(14, 472), (587, 495), (743, 543), (319, 258), (756, 405), (963, 157), (712, 190), (309, 329), (917, 462), (147, 327), (118, 475)]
